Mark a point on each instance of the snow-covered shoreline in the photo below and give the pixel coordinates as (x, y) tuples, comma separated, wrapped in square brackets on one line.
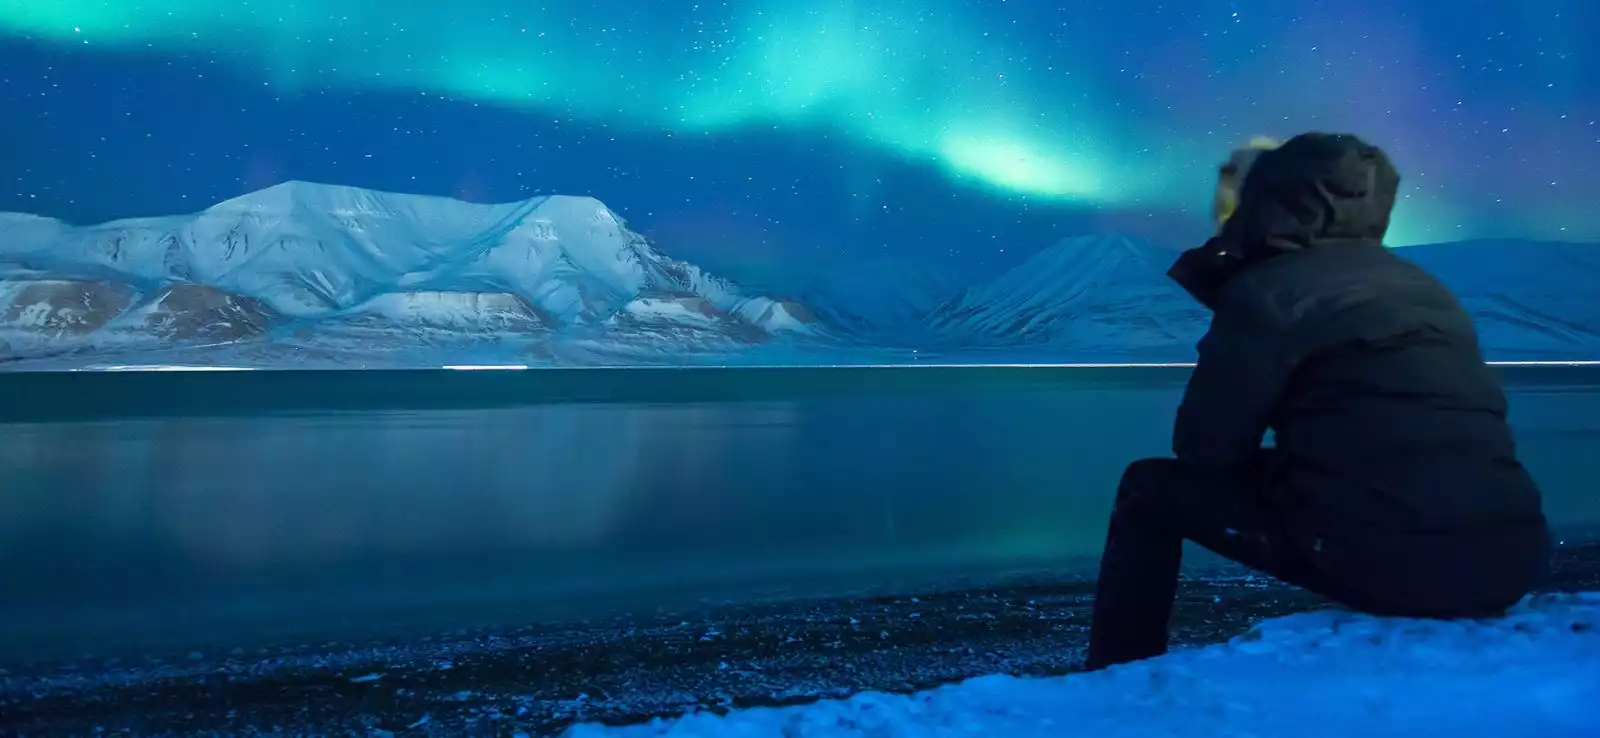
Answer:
[(1329, 673)]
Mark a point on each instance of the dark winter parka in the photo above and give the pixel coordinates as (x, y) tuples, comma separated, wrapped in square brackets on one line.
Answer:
[(1394, 457)]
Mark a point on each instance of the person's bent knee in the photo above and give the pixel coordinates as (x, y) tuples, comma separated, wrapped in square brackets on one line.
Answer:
[(1142, 481), (1145, 473)]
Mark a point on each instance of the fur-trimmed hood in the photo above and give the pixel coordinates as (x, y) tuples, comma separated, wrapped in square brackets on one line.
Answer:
[(1316, 189)]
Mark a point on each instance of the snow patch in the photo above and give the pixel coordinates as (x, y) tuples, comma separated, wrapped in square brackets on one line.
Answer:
[(694, 310), (190, 312), (62, 305), (1330, 674), (465, 311)]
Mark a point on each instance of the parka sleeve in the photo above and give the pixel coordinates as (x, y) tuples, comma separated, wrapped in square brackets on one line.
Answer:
[(1229, 403)]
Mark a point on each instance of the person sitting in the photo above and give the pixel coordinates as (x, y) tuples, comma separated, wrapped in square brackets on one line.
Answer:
[(1393, 486)]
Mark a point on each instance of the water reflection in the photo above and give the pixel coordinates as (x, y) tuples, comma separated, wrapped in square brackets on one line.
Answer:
[(199, 523)]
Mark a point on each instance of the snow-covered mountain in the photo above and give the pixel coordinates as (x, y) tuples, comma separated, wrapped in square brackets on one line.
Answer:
[(1107, 298), (333, 268), (305, 274), (1104, 296), (882, 297), (1531, 299)]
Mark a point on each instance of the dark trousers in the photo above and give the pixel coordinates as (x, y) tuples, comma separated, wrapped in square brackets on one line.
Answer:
[(1161, 503)]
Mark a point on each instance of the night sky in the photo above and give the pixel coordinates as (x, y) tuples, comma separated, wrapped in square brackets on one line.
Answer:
[(770, 139)]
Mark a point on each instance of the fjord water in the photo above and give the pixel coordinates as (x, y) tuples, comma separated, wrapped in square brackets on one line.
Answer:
[(183, 509)]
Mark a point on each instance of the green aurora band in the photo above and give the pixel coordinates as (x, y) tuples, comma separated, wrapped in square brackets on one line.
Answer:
[(919, 79)]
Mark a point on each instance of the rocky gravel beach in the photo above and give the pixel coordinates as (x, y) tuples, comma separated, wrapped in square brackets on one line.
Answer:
[(536, 680)]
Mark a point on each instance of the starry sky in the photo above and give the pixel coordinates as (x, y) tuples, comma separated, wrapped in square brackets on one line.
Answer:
[(772, 139)]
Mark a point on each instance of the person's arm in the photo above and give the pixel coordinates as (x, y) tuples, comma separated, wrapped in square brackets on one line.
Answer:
[(1203, 270), (1231, 396)]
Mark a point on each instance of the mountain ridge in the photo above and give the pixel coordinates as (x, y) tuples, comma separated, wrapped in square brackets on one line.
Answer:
[(1117, 299), (303, 269), (1529, 299), (323, 256)]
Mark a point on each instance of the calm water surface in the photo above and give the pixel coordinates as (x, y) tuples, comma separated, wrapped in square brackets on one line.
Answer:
[(179, 508)]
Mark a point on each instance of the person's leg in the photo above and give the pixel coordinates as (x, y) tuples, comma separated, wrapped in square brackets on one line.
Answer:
[(1138, 582), (1159, 505)]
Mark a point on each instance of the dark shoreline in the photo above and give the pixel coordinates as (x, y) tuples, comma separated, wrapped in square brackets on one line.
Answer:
[(538, 680)]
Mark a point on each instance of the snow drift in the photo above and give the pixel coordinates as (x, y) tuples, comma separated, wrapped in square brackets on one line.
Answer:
[(1329, 674)]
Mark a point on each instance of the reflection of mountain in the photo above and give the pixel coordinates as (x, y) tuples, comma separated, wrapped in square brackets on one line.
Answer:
[(315, 275), (339, 270)]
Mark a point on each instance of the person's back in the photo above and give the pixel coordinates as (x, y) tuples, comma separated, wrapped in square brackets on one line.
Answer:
[(1393, 486), (1393, 441), (1394, 452)]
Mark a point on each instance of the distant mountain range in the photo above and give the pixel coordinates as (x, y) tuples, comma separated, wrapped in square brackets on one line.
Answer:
[(302, 275)]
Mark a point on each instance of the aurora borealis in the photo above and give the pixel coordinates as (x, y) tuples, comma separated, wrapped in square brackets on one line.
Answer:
[(822, 129)]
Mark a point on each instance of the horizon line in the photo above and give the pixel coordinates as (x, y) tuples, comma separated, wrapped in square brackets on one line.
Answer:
[(720, 367)]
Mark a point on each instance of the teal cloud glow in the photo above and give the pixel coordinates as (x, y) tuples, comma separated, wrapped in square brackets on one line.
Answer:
[(896, 75), (1127, 108)]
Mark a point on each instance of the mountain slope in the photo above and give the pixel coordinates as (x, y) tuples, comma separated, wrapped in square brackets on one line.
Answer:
[(45, 315), (1105, 295), (362, 269), (1107, 298), (882, 297), (302, 273), (184, 312), (1531, 299)]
